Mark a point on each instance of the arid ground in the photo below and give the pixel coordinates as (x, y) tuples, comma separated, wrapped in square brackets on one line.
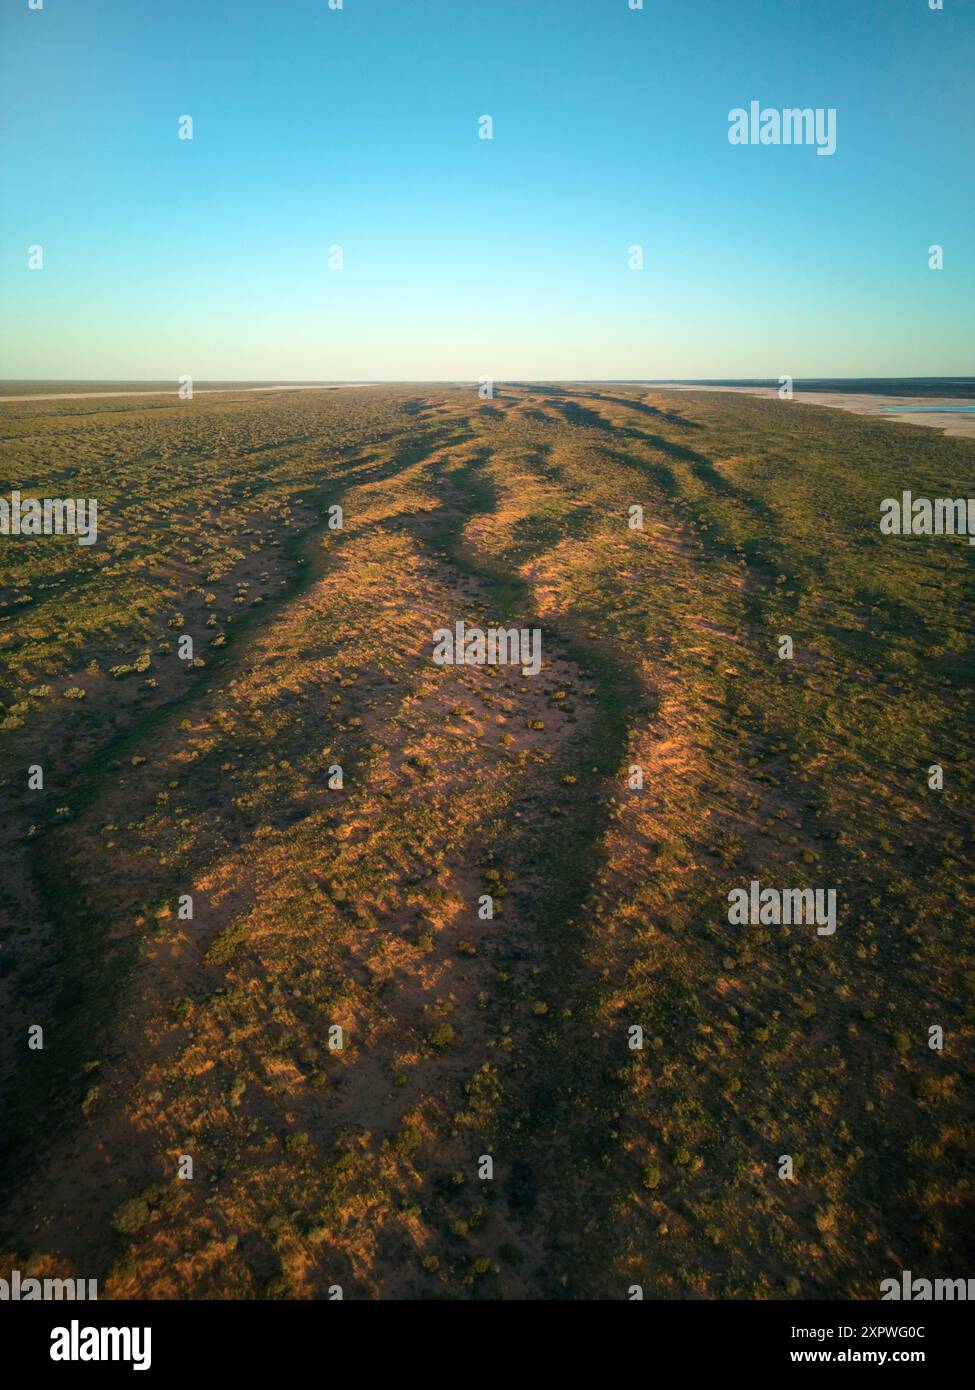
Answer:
[(318, 907)]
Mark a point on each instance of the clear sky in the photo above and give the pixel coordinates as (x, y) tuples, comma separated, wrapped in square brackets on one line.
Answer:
[(466, 257)]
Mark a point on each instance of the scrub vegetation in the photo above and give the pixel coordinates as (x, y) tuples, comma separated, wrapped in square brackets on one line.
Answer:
[(351, 901)]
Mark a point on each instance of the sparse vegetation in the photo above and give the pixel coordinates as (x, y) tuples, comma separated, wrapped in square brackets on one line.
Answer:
[(318, 905)]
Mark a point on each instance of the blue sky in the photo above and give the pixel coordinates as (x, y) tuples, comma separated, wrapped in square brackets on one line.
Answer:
[(465, 257)]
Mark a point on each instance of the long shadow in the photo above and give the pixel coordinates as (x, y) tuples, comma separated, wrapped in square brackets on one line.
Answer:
[(644, 408), (702, 466), (45, 1094), (570, 1087)]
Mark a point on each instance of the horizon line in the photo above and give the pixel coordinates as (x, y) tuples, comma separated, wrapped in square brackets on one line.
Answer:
[(447, 381)]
